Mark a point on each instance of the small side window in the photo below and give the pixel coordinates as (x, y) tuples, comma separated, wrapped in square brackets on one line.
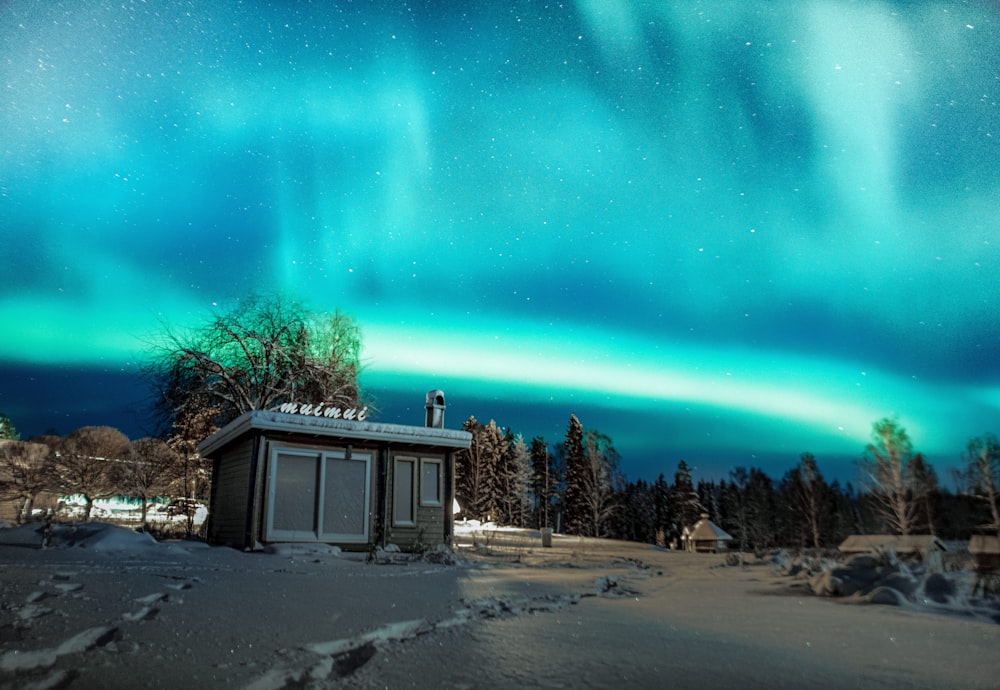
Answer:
[(430, 482), (404, 474)]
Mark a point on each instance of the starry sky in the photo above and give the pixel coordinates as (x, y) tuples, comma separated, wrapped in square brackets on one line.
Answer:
[(723, 232)]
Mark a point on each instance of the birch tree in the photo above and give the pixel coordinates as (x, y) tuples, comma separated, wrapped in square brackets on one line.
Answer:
[(887, 474), (599, 480), (25, 472), (810, 492), (982, 457)]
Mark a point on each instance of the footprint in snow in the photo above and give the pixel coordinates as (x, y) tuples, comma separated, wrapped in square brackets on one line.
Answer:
[(146, 613)]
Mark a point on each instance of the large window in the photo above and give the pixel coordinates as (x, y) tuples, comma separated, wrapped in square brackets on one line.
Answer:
[(318, 496)]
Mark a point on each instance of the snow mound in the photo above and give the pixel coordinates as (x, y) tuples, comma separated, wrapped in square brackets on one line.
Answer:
[(884, 579), (303, 551), (99, 537)]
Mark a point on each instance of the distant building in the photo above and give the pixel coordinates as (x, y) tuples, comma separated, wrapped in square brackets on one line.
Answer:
[(911, 545), (985, 550), (308, 475), (705, 537)]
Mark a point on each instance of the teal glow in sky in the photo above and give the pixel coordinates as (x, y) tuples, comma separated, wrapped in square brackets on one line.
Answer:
[(726, 232)]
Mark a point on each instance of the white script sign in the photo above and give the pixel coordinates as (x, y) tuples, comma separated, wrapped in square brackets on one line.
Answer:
[(327, 410)]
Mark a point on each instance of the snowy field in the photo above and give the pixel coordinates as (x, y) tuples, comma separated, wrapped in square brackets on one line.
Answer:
[(106, 607)]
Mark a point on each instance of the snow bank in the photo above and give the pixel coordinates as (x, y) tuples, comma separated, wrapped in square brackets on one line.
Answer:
[(98, 537), (884, 579)]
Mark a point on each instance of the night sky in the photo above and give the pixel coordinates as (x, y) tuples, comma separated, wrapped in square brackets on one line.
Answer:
[(725, 232)]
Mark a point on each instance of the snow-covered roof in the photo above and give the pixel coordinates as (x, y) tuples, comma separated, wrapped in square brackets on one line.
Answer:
[(265, 420), (706, 530), (984, 544), (910, 543)]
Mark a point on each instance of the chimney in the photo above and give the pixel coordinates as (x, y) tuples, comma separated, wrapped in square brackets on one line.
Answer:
[(435, 409)]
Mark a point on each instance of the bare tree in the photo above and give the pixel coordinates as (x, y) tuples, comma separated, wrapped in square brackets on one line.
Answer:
[(263, 352), (809, 489), (25, 471), (887, 472), (598, 480), (983, 468), (86, 462), (194, 423), (925, 488), (147, 471)]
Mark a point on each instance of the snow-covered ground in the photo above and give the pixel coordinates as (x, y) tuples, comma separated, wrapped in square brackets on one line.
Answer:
[(107, 607)]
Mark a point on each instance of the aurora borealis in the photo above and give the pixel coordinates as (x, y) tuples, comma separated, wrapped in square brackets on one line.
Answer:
[(725, 232)]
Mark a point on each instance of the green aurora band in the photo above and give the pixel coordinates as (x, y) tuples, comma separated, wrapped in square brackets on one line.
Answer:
[(739, 231)]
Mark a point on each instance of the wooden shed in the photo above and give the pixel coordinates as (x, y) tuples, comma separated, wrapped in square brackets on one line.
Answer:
[(985, 550), (911, 545), (304, 475)]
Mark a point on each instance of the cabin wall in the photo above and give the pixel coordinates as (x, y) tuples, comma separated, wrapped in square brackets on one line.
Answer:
[(230, 491), (319, 499), (423, 520)]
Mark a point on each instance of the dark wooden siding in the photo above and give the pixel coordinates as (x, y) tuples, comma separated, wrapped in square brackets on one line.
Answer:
[(430, 527), (229, 505)]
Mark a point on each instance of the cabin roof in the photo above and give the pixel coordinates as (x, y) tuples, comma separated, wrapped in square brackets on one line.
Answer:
[(706, 530), (900, 543), (987, 544), (265, 420)]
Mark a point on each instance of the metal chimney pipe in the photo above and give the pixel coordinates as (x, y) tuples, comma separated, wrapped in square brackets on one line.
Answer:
[(435, 409)]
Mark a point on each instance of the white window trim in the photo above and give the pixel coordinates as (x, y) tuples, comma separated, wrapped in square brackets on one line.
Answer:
[(440, 479), (414, 463), (316, 534)]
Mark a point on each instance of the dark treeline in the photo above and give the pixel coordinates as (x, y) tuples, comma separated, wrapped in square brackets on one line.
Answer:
[(577, 487)]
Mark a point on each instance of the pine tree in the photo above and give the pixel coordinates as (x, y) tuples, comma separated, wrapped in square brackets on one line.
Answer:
[(521, 479), (469, 471), (543, 482), (575, 510), (710, 498), (494, 478), (7, 429), (664, 518), (685, 498)]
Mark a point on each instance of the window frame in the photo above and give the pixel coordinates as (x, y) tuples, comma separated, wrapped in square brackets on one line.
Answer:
[(321, 456), (438, 501), (414, 464)]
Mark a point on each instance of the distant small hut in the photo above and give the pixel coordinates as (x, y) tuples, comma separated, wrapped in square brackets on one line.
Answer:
[(705, 537), (919, 546)]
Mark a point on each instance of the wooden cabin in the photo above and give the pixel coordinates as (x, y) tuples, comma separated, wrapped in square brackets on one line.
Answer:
[(906, 545), (305, 473), (706, 537), (985, 551)]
